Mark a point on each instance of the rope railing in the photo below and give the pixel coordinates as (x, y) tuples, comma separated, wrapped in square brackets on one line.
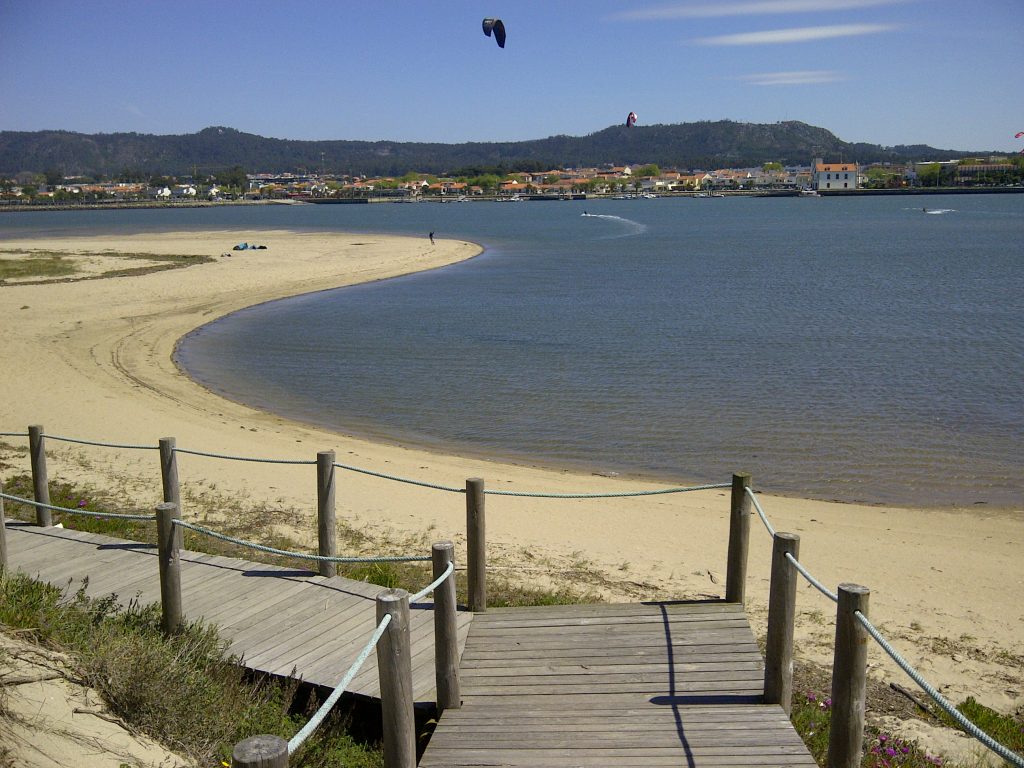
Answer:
[(1004, 752), (448, 571), (968, 726), (757, 505), (397, 479), (86, 512), (314, 722), (299, 555), (229, 457), (811, 580), (614, 495), (79, 441), (385, 475)]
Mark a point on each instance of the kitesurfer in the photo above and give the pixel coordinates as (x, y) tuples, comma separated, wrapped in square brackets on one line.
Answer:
[(431, 236)]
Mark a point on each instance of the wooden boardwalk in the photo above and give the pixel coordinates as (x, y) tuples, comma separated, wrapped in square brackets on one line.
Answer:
[(277, 619), (650, 684), (646, 684)]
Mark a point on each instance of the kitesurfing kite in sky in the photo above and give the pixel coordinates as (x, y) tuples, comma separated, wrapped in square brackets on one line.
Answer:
[(498, 28), (1017, 136), (631, 119)]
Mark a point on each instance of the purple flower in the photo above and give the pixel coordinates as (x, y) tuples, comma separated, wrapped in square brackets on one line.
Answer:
[(82, 503), (890, 752)]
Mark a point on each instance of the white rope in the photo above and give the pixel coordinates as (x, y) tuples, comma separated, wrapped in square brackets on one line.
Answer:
[(102, 445), (434, 584), (813, 581), (314, 722), (757, 506), (244, 458), (1004, 752)]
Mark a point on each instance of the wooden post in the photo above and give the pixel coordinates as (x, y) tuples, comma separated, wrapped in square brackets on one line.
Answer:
[(3, 532), (849, 679), (476, 545), (40, 484), (778, 667), (326, 530), (446, 639), (169, 555), (394, 665), (260, 752), (169, 472), (739, 540)]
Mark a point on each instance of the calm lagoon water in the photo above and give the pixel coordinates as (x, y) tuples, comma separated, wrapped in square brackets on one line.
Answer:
[(856, 349)]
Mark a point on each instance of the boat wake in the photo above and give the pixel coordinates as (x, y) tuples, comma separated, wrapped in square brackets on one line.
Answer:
[(932, 211), (634, 227)]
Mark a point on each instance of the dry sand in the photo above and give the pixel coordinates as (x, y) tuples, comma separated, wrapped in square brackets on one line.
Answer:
[(92, 359)]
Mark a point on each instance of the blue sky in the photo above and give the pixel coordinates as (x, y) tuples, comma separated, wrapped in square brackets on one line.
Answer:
[(938, 72)]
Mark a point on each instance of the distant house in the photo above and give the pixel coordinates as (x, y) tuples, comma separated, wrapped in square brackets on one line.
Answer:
[(833, 176)]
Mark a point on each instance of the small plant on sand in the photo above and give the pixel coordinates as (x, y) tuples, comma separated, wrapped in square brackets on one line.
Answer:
[(1006, 729), (812, 718), (885, 751)]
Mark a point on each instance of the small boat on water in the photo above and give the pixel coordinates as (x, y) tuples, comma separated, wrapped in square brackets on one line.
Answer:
[(808, 192)]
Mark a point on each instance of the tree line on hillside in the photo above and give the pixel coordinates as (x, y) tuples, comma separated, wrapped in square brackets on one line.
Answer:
[(684, 146)]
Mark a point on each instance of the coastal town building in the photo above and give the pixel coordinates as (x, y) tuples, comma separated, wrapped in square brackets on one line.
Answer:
[(833, 176)]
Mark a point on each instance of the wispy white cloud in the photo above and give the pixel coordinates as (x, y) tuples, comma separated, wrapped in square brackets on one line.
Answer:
[(799, 77), (132, 109), (747, 8), (796, 34)]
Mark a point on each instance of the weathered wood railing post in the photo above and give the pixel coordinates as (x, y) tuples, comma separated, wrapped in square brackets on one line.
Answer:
[(3, 532), (446, 639), (739, 540), (260, 752), (476, 545), (778, 666), (326, 530), (169, 472), (394, 665), (849, 679), (40, 484), (169, 555)]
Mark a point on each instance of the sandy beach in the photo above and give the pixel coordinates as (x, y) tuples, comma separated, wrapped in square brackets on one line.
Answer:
[(92, 359)]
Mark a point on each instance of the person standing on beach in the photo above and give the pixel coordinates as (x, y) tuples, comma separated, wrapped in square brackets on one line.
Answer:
[(431, 236)]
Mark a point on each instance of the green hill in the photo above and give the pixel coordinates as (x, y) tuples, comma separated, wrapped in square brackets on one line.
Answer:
[(684, 146)]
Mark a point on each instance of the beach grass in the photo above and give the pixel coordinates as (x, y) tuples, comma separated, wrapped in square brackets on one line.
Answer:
[(31, 266), (184, 690)]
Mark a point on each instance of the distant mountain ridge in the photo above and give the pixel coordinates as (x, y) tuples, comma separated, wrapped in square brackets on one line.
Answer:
[(701, 145)]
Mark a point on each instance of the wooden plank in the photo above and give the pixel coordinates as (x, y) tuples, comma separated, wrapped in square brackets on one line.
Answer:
[(624, 656), (307, 626), (611, 631), (254, 607), (622, 758), (682, 621), (731, 637), (608, 610)]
